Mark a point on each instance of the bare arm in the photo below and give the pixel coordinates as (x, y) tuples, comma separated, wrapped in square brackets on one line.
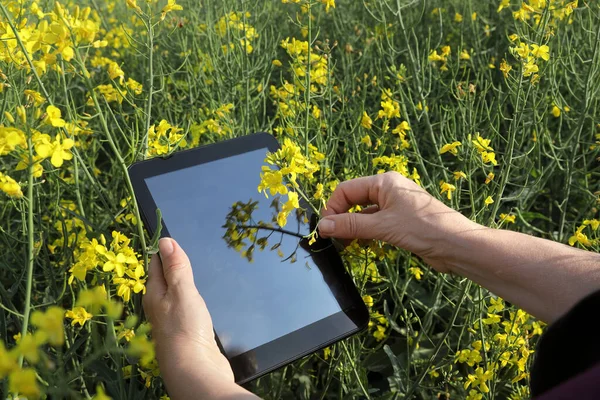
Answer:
[(543, 277)]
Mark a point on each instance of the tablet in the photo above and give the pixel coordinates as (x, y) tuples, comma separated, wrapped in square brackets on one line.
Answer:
[(273, 297)]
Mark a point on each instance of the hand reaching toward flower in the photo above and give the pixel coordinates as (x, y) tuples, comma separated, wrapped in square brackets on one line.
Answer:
[(543, 277), (401, 213), (190, 361)]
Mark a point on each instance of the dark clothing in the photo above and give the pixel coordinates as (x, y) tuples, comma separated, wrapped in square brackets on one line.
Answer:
[(567, 360)]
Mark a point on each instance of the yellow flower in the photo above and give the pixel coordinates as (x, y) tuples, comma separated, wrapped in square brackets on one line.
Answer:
[(491, 319), (448, 188), (54, 116), (474, 395), (480, 378), (78, 315), (316, 112), (134, 86), (450, 147), (366, 121), (368, 300), (464, 55), (503, 4), (496, 305), (24, 382), (379, 333), (171, 6), (273, 181), (366, 140), (505, 68), (9, 186), (488, 200), (593, 223), (542, 52), (50, 325), (100, 395), (580, 237), (328, 4), (133, 4), (59, 150), (555, 111), (319, 192), (28, 347), (507, 218), (277, 63), (530, 68), (10, 139), (290, 205), (417, 272), (142, 348), (458, 17), (489, 178), (389, 109), (8, 361), (34, 97), (458, 175), (434, 56)]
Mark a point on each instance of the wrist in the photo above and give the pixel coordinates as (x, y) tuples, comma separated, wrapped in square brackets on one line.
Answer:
[(448, 235)]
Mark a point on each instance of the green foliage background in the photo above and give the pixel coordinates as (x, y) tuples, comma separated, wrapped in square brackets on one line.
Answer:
[(197, 62)]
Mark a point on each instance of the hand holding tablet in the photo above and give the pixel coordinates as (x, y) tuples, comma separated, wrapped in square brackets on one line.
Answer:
[(273, 297)]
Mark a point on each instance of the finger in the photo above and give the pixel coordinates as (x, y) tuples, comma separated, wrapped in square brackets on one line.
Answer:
[(156, 287), (156, 279), (350, 226), (176, 266), (359, 191)]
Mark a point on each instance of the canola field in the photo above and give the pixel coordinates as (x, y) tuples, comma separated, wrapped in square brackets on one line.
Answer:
[(491, 106)]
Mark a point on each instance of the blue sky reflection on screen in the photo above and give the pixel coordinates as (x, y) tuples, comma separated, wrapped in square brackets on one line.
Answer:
[(250, 303)]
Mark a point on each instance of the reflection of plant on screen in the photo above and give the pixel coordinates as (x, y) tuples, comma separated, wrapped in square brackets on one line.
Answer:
[(246, 235)]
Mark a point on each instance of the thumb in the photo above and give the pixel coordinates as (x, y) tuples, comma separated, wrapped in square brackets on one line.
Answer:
[(176, 266), (349, 226)]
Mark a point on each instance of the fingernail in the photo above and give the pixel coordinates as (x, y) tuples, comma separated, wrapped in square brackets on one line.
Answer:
[(326, 226), (165, 246)]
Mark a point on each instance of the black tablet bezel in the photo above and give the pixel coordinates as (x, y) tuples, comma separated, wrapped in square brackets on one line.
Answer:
[(270, 356)]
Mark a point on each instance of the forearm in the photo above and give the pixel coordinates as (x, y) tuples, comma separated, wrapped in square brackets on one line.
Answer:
[(543, 277), (195, 384)]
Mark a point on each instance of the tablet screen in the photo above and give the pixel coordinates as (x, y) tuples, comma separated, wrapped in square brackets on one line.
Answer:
[(258, 283)]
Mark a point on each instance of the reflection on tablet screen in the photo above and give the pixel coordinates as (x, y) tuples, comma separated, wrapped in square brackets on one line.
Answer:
[(258, 283)]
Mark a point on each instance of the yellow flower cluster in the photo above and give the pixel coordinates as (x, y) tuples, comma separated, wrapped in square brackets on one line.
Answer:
[(218, 121), (9, 186), (398, 163), (506, 347), (54, 36), (118, 259), (233, 24), (290, 164), (442, 57), (580, 237), (50, 330), (485, 150), (528, 55), (299, 51), (164, 138), (534, 10)]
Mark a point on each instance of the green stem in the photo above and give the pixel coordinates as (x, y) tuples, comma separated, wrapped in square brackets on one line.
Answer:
[(150, 85), (308, 80), (31, 244), (351, 359)]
